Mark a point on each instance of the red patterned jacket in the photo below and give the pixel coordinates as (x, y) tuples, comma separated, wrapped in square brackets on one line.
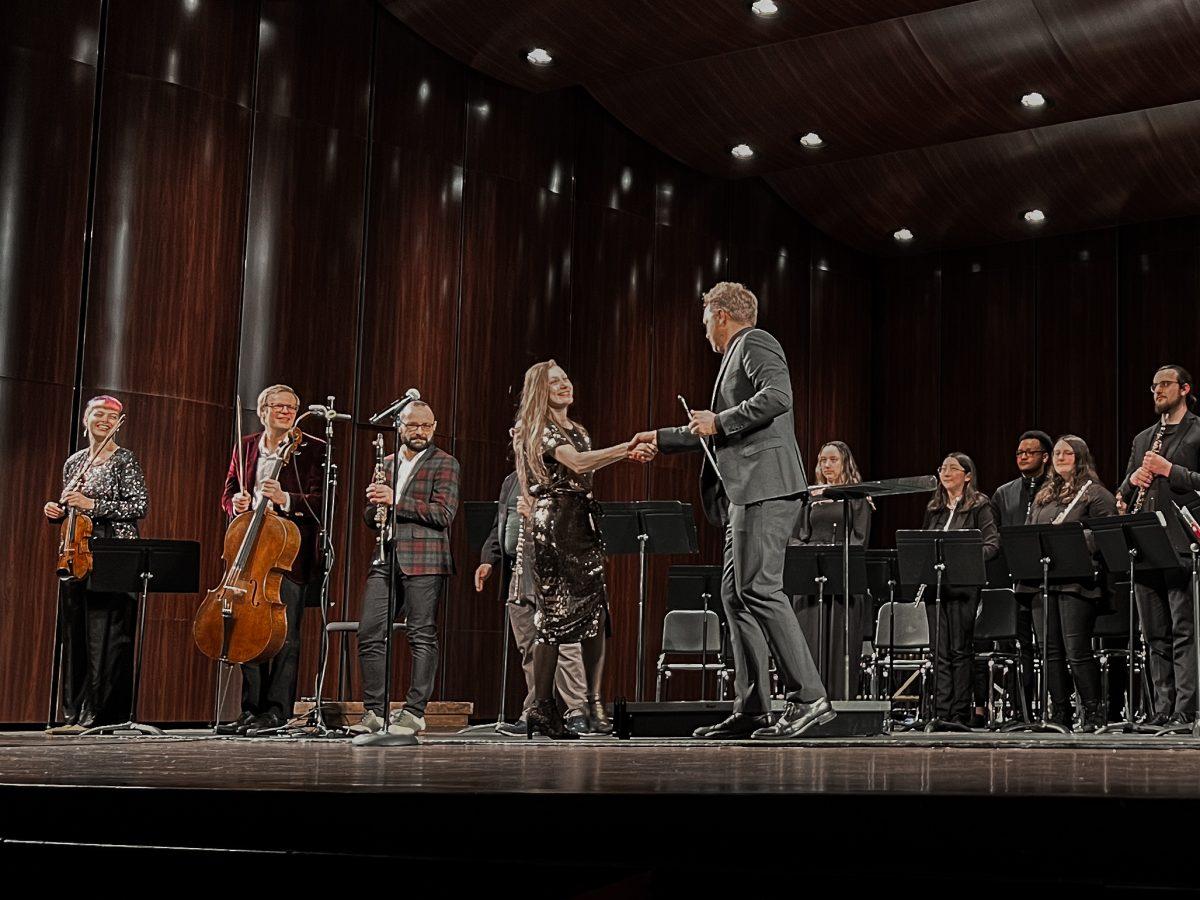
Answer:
[(424, 513)]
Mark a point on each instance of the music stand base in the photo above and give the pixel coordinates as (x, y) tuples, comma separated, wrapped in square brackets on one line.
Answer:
[(1042, 727), (492, 727), (383, 739), (1128, 728), (1192, 728), (124, 729), (943, 725)]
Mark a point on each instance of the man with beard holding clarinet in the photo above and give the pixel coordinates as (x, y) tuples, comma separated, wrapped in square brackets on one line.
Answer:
[(1164, 467)]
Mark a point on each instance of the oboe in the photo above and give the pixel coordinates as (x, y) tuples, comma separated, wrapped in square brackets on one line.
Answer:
[(381, 510), (1155, 447), (1062, 516)]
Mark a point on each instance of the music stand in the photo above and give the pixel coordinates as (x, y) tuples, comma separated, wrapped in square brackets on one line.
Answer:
[(482, 517), (693, 588), (827, 566), (123, 566), (1045, 553), (953, 558), (1135, 543), (660, 527), (883, 575)]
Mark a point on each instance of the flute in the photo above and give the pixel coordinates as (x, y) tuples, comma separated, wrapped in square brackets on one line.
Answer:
[(1062, 516)]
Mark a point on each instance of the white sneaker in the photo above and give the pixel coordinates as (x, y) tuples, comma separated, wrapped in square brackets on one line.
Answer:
[(405, 722), (369, 724)]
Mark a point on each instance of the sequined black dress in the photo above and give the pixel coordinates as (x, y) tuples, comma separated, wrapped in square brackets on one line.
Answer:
[(98, 627), (561, 552)]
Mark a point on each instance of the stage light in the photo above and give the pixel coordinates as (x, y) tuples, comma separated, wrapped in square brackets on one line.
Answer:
[(903, 236), (812, 141), (764, 8), (1035, 217), (539, 57), (742, 151), (1033, 100)]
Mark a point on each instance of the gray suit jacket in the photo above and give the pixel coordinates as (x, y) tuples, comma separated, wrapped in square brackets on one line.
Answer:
[(755, 446)]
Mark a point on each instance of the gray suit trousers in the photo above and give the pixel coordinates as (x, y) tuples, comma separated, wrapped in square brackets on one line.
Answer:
[(759, 612)]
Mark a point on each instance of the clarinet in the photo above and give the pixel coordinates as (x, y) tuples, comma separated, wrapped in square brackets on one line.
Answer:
[(1155, 447), (381, 510), (1061, 517)]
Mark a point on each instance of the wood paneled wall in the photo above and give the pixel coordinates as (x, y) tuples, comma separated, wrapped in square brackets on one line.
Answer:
[(310, 194)]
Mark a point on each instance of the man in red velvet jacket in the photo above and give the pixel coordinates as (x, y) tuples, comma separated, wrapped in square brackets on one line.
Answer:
[(427, 500), (269, 688)]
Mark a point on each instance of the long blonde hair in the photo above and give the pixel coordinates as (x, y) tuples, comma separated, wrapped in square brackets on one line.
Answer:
[(533, 411)]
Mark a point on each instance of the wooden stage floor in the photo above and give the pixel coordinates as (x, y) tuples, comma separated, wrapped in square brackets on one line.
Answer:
[(647, 817)]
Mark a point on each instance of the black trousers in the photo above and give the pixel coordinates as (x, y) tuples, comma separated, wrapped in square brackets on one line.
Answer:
[(1071, 620), (97, 654), (956, 651), (417, 600), (270, 687), (1165, 609)]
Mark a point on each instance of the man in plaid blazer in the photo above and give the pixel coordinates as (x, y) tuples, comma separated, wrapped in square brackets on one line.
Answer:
[(426, 502)]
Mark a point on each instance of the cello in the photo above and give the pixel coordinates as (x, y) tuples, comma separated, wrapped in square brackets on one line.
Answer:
[(243, 619), (74, 536)]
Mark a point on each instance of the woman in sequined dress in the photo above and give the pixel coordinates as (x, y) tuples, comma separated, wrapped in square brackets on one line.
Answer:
[(97, 628), (561, 550)]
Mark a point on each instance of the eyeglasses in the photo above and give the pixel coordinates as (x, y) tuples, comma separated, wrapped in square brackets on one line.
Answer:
[(1031, 452), (942, 470), (283, 407), (1163, 385), (420, 427)]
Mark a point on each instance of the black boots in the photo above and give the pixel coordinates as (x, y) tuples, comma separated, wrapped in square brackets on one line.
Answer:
[(598, 719), (544, 718)]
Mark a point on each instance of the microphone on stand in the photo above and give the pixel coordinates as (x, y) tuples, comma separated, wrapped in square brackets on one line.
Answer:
[(409, 396), (328, 413)]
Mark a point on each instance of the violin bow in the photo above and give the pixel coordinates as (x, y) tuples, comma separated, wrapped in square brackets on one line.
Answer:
[(240, 449)]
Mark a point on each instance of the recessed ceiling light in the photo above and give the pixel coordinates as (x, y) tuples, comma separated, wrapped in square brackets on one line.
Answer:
[(812, 140), (1033, 100), (903, 236), (742, 151), (764, 8), (1035, 217), (539, 57)]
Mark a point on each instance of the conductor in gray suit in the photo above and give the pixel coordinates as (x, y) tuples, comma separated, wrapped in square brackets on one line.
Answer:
[(754, 494)]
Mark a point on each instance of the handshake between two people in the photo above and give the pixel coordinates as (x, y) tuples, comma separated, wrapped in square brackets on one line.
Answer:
[(643, 446)]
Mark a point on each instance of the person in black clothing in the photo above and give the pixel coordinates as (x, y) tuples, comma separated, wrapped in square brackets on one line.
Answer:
[(957, 505), (1170, 474), (1012, 504), (1071, 615), (822, 522)]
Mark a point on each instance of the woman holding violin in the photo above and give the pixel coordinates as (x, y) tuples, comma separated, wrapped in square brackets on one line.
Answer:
[(267, 466), (104, 495)]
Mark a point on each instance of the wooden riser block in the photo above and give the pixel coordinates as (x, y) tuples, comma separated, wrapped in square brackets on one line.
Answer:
[(440, 715)]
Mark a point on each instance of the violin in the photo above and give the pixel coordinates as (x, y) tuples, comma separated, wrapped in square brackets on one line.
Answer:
[(243, 619), (74, 536)]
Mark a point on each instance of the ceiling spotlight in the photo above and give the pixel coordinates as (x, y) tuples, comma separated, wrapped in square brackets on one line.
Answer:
[(539, 57), (812, 140), (764, 8), (742, 151), (903, 236), (1035, 217), (1033, 100)]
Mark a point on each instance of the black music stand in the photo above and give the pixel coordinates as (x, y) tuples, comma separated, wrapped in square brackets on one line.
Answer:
[(1045, 553), (141, 567), (827, 566), (693, 588), (649, 526), (883, 577), (1135, 543), (482, 517), (951, 558)]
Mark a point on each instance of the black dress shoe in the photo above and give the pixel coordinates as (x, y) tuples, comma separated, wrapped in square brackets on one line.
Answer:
[(1178, 720), (798, 718), (266, 722), (237, 726), (1158, 720), (577, 722), (739, 725)]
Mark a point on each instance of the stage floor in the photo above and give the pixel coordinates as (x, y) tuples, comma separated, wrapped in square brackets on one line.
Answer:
[(602, 817)]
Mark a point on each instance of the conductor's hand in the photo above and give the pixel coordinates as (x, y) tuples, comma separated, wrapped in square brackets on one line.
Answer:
[(703, 423), (1156, 465), (481, 575), (241, 503), (379, 494), (1142, 477), (53, 511)]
